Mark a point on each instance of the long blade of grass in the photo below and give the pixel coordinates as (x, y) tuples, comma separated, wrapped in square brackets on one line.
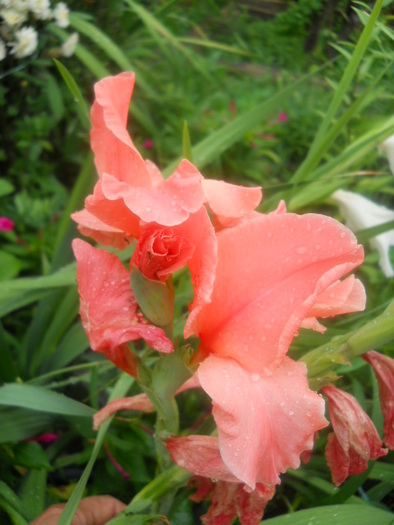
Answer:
[(121, 388), (355, 151), (342, 89), (211, 44), (81, 106), (41, 399), (318, 153)]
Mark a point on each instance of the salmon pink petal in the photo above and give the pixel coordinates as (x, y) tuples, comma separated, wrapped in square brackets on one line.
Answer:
[(229, 201), (114, 151), (342, 297), (141, 402), (168, 203), (355, 440), (271, 269), (108, 308), (229, 500), (91, 226), (264, 422), (199, 231), (383, 366), (199, 455), (114, 213)]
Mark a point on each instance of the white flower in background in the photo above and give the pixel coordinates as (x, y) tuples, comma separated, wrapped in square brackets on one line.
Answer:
[(25, 43), (361, 213), (388, 147), (13, 17), (3, 50), (60, 14), (68, 47), (40, 8)]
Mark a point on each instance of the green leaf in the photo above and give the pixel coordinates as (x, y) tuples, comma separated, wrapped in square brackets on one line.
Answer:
[(368, 233), (33, 492), (138, 519), (10, 266), (121, 388), (5, 187), (17, 424), (341, 90), (166, 481), (335, 514), (187, 146), (31, 455), (81, 106), (41, 399)]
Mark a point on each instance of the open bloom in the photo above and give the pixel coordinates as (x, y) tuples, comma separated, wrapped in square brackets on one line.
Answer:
[(25, 43), (273, 272), (108, 309), (131, 192), (383, 366), (360, 213), (6, 224), (354, 441)]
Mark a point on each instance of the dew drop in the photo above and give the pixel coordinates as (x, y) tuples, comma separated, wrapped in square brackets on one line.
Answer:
[(318, 246), (301, 250), (291, 412), (255, 378)]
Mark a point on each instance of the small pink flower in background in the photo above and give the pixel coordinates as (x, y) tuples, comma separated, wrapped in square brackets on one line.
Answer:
[(148, 144), (44, 438), (282, 117), (355, 439), (6, 224), (383, 366)]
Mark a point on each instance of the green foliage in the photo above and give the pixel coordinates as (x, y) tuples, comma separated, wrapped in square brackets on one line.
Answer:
[(230, 75)]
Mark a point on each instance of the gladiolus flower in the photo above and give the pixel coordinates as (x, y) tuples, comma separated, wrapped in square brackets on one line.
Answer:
[(6, 224), (108, 308), (280, 267), (360, 213), (354, 441), (132, 192), (383, 366)]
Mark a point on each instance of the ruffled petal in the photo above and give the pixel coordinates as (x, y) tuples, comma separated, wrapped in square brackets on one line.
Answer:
[(383, 367), (264, 422), (342, 297), (231, 499), (141, 402), (355, 440), (108, 308), (114, 151), (168, 203), (91, 226), (229, 201), (114, 213), (200, 455), (271, 269)]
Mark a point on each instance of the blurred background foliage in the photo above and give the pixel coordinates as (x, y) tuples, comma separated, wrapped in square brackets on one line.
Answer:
[(253, 80)]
